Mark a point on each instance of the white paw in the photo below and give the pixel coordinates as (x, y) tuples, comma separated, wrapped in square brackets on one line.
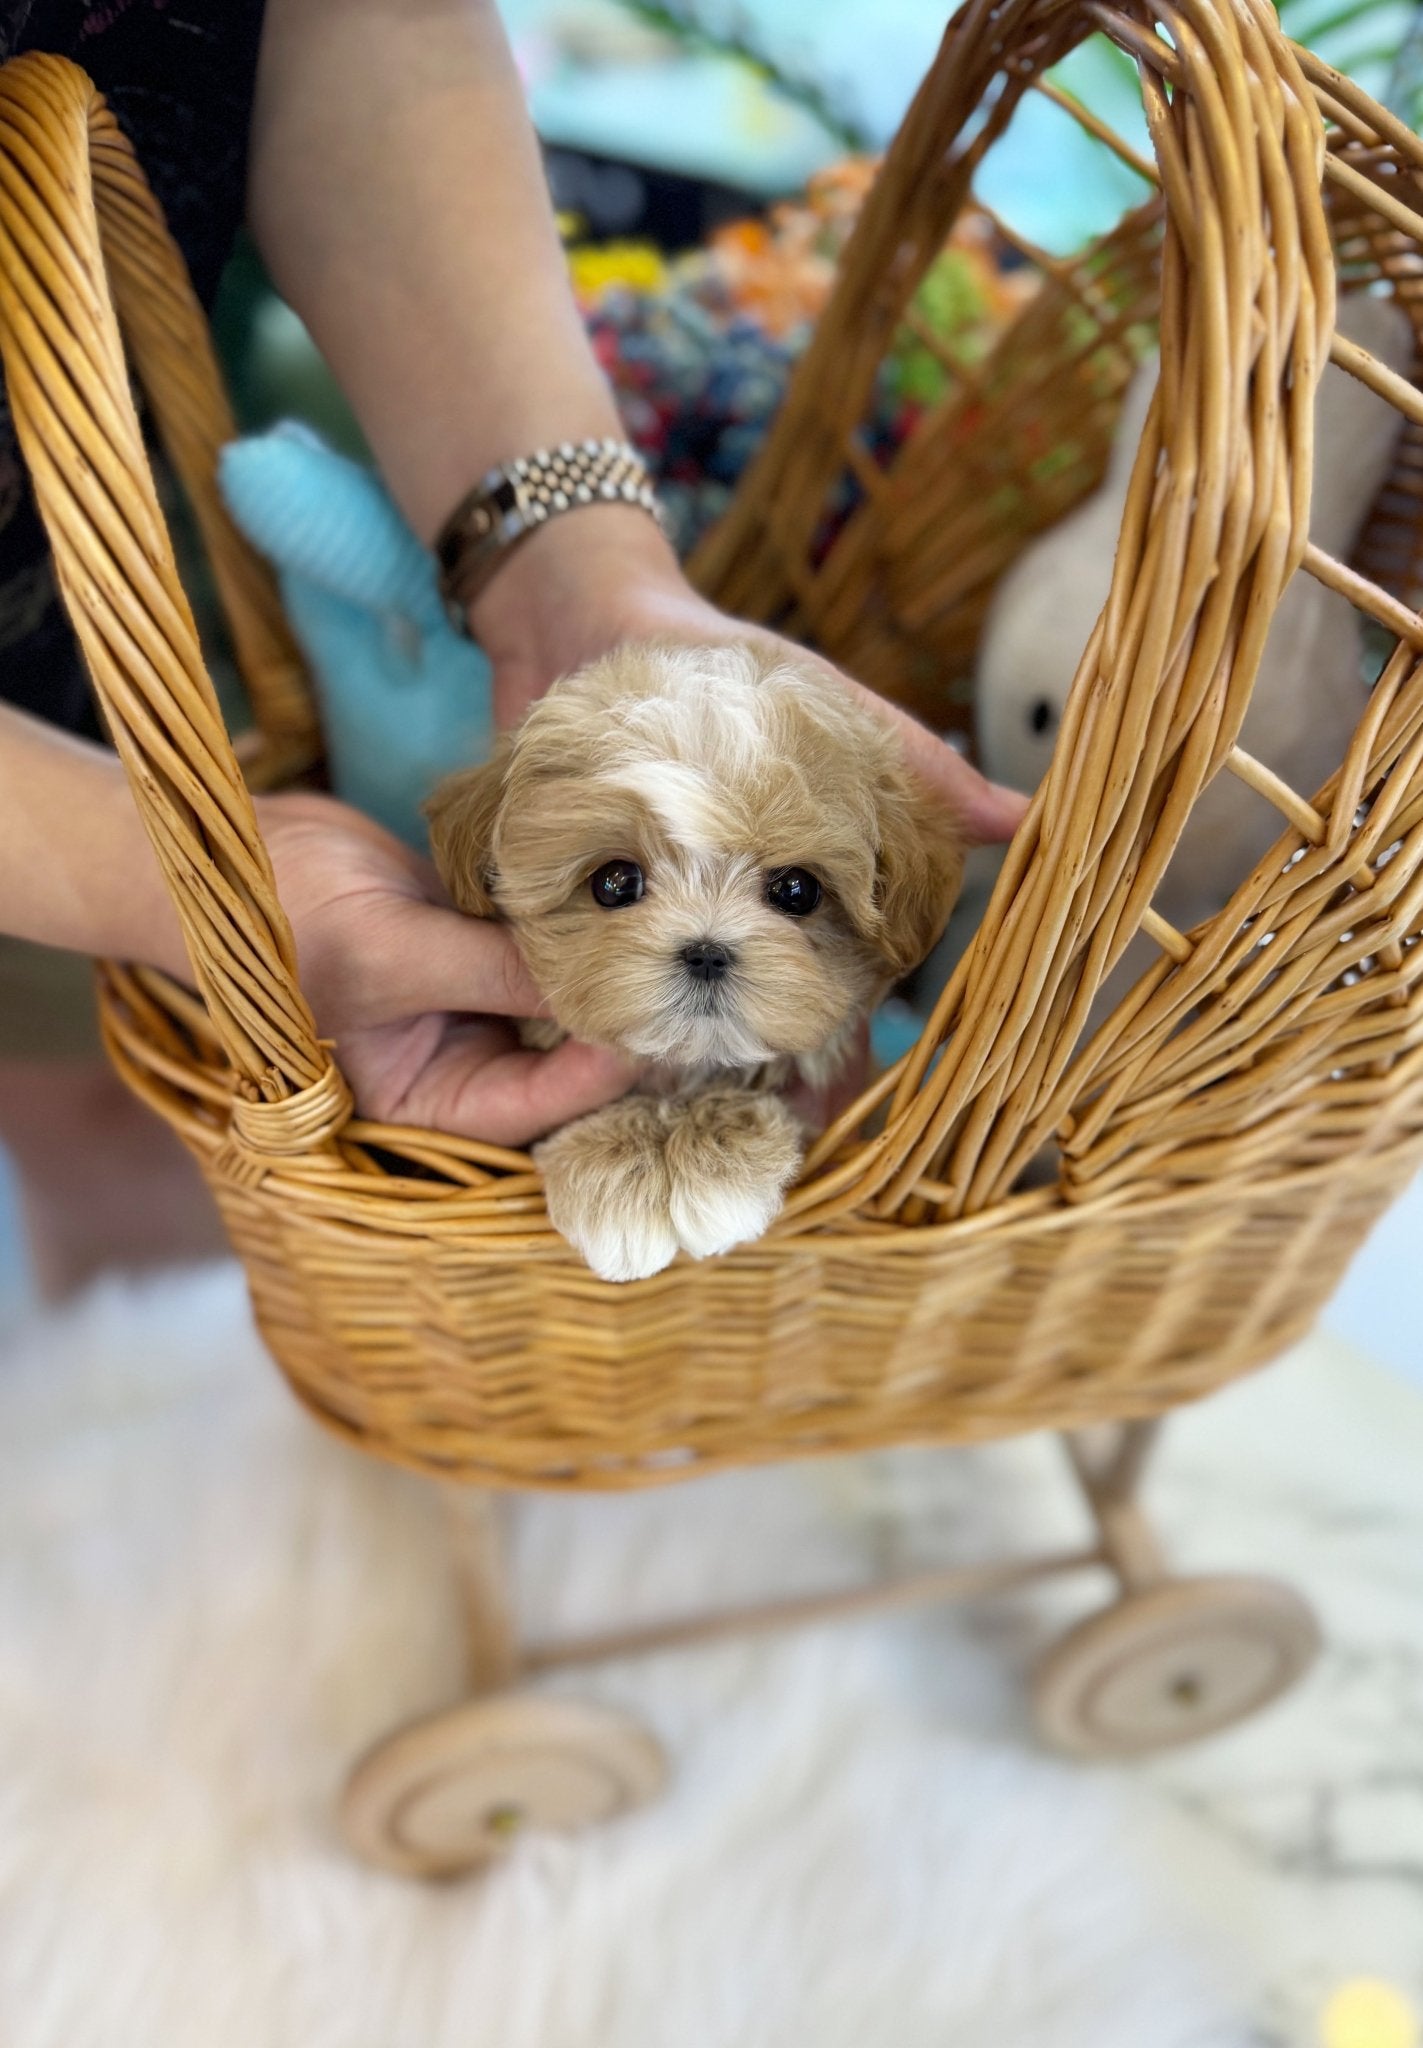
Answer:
[(709, 1219), (730, 1157), (606, 1187), (632, 1248)]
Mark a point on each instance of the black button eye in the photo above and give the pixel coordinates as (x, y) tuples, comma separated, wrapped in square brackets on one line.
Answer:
[(793, 891), (1042, 717), (616, 883)]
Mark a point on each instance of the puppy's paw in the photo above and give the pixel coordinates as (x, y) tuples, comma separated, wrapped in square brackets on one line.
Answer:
[(605, 1181), (730, 1157)]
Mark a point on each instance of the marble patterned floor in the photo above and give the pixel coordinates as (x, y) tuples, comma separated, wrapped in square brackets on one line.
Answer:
[(1301, 1836)]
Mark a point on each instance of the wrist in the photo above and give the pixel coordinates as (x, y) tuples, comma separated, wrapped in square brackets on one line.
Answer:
[(575, 588)]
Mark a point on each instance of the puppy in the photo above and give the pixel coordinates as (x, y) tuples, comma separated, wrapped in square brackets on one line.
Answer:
[(715, 860)]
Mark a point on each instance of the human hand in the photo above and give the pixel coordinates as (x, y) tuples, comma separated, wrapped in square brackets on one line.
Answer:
[(583, 585), (418, 998)]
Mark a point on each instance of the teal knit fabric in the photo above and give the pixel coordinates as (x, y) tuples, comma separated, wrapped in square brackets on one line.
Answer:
[(404, 697)]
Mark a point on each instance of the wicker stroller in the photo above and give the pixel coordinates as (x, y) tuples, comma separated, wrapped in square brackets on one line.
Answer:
[(1224, 1141)]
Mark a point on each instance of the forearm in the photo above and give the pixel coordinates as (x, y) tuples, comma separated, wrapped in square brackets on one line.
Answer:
[(76, 868), (397, 195)]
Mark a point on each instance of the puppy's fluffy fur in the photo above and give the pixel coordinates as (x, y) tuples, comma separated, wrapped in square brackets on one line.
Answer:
[(714, 770)]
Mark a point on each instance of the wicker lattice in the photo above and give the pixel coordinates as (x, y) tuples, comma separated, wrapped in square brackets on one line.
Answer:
[(1229, 1134)]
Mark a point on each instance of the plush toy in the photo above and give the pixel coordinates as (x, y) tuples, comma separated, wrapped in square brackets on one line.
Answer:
[(1311, 689), (404, 697)]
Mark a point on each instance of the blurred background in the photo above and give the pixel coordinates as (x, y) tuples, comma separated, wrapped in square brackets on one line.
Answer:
[(667, 126), (664, 122)]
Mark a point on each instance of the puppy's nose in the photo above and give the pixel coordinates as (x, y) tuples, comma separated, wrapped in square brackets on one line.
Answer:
[(704, 960)]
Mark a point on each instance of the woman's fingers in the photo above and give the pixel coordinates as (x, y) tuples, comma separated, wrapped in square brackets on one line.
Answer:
[(991, 814), (988, 812), (475, 1087)]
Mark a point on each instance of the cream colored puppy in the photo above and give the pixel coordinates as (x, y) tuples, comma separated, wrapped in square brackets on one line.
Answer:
[(716, 861)]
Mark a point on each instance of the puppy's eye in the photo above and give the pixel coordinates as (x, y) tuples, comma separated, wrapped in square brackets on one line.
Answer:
[(793, 891), (616, 883), (1042, 717)]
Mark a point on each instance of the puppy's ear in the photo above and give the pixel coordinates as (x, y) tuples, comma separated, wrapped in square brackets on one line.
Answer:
[(919, 869), (463, 812)]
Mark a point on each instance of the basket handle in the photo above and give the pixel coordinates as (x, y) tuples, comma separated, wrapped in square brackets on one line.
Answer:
[(77, 218), (168, 338)]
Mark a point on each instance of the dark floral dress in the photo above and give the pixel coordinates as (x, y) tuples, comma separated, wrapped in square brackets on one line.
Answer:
[(179, 75)]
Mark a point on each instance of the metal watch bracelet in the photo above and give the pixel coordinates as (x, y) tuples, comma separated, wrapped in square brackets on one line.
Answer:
[(516, 498)]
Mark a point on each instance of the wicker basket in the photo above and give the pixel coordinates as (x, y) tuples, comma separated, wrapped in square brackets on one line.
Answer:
[(1229, 1135)]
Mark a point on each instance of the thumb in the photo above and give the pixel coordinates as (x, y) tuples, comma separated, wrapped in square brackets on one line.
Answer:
[(431, 958), (514, 1097), (991, 814), (987, 812)]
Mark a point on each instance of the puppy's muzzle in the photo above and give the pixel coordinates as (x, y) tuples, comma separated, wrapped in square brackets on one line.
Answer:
[(706, 961)]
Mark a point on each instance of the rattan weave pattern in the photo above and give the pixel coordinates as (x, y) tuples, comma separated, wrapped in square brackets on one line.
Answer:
[(1223, 1141)]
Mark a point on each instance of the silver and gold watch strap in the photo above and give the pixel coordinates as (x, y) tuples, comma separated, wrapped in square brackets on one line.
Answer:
[(513, 500)]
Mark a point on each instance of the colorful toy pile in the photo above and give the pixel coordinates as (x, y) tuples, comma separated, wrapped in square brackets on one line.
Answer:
[(700, 349)]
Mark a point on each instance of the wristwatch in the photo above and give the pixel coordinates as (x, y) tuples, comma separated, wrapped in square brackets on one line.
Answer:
[(515, 499)]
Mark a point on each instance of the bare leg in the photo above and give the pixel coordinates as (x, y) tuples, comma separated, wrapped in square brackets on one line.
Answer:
[(103, 1182)]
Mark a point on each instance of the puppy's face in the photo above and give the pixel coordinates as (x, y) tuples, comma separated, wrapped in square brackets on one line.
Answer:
[(708, 858)]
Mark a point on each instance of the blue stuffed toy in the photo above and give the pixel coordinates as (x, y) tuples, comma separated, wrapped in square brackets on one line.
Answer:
[(404, 697)]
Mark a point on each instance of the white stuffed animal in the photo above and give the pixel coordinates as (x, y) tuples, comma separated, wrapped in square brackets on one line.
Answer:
[(1311, 688)]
